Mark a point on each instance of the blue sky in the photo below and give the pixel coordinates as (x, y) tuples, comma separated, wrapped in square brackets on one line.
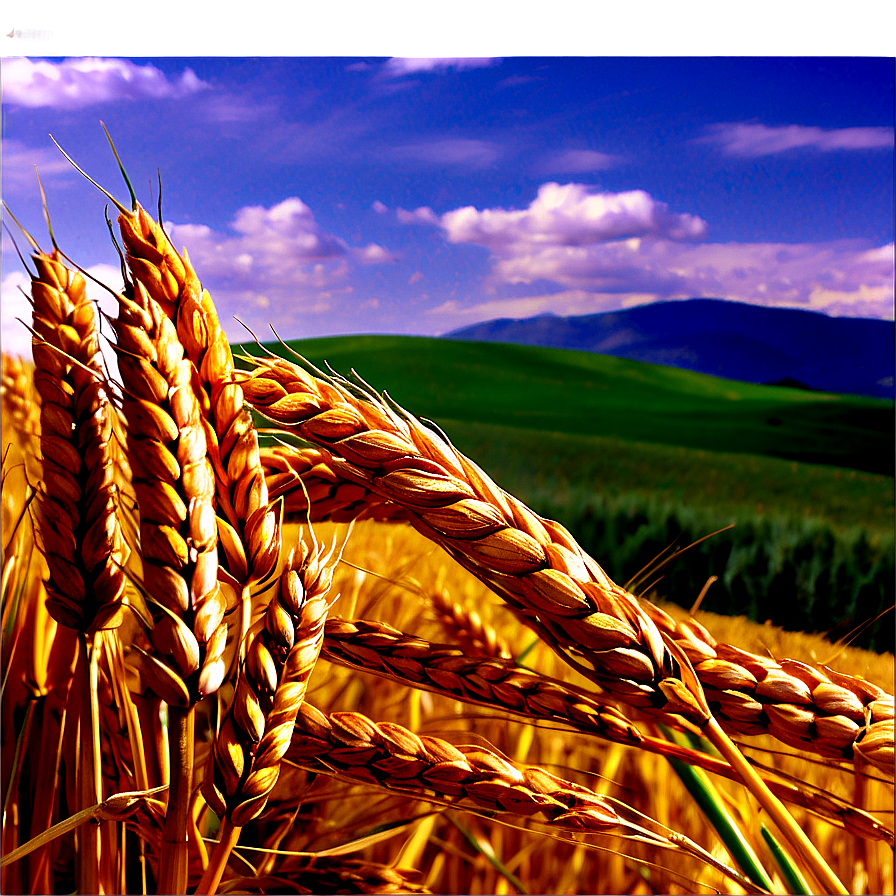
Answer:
[(352, 194)]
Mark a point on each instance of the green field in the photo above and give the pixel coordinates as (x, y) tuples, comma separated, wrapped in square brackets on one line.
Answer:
[(634, 458), (585, 394)]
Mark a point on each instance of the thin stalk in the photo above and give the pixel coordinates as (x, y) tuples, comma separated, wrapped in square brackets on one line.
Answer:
[(795, 881), (707, 798), (89, 787), (795, 836), (175, 853), (227, 838)]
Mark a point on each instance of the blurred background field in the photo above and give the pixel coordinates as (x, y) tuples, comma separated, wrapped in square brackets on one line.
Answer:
[(641, 459)]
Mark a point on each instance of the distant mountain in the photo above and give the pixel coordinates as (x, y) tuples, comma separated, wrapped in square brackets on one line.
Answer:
[(728, 339)]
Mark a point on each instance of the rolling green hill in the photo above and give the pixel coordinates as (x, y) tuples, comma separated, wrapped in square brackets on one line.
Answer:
[(585, 394), (634, 458)]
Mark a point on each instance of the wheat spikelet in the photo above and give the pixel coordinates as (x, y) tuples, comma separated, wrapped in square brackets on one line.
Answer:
[(174, 487), (77, 507), (170, 280), (313, 491), (820, 710), (534, 564), (256, 730), (468, 627), (489, 681)]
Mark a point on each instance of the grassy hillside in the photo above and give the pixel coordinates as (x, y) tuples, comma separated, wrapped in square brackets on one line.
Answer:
[(634, 458), (580, 393)]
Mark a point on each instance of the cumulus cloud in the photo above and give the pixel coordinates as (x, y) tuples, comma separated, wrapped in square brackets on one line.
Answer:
[(274, 258), (580, 161), (79, 82), (608, 250), (422, 215), (567, 216), (754, 140), (398, 66)]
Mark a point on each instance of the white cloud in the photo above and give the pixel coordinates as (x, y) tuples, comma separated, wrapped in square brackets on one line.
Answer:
[(19, 162), (569, 215), (451, 151), (398, 66), (753, 140), (273, 258), (580, 161), (85, 81), (609, 250), (422, 215), (373, 254)]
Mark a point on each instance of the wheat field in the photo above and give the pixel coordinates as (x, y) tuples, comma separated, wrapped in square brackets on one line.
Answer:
[(264, 631)]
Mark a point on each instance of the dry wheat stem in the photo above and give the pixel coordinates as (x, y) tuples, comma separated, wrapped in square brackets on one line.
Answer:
[(534, 564)]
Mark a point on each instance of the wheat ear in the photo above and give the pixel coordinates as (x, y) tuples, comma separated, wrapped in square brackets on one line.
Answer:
[(467, 626), (175, 487), (498, 683), (818, 710), (534, 564), (256, 730), (390, 756), (77, 507), (242, 496)]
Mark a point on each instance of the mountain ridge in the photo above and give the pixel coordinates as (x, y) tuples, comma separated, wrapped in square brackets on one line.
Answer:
[(735, 340)]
